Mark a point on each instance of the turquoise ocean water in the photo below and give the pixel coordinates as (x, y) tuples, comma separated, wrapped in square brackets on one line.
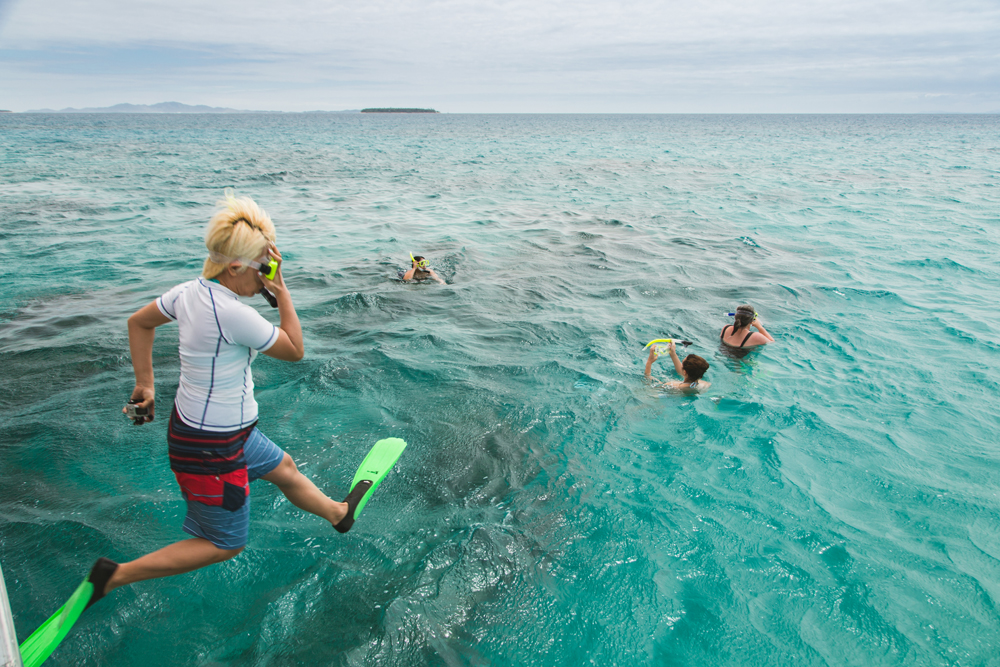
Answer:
[(832, 500)]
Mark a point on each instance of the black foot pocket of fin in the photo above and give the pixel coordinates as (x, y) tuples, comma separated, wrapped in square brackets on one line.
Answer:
[(352, 500), (99, 575)]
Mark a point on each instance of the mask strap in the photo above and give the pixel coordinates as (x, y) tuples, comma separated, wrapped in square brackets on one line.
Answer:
[(219, 258)]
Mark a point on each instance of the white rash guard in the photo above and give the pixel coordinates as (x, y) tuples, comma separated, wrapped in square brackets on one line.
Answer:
[(219, 339)]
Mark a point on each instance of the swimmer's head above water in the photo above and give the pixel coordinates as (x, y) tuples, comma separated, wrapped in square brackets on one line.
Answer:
[(744, 315), (694, 367), (420, 270)]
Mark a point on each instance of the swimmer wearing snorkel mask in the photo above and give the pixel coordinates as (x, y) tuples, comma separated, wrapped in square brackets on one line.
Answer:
[(739, 334), (420, 270)]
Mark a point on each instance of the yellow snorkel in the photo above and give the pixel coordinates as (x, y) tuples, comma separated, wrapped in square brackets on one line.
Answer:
[(661, 349), (668, 340)]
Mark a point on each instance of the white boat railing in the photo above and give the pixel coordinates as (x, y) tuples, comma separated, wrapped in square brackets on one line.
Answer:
[(10, 655)]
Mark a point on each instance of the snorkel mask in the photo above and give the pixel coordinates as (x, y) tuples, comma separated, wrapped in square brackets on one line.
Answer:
[(268, 270), (422, 264), (735, 314)]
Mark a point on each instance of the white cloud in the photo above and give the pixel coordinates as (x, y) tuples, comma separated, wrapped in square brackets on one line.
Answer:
[(529, 56)]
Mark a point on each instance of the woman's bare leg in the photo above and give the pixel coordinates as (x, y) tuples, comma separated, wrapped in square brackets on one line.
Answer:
[(197, 552), (177, 558), (300, 490)]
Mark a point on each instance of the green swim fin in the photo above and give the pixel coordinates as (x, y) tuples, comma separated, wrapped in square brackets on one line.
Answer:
[(373, 469), (46, 638), (39, 646)]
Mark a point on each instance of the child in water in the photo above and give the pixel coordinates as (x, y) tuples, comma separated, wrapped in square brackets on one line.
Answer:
[(420, 270), (691, 369)]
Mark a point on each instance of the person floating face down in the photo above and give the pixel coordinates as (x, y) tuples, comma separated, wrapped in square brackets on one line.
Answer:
[(692, 369), (420, 270)]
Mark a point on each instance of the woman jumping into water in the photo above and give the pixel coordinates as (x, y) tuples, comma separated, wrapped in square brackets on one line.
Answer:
[(215, 447)]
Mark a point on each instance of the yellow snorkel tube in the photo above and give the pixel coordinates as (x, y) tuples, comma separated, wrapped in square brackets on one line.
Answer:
[(668, 340), (661, 350)]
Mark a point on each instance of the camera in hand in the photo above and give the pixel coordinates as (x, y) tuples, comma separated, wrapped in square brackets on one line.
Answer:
[(135, 413)]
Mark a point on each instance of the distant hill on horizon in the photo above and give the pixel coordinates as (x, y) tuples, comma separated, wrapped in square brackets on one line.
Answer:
[(398, 110), (165, 107)]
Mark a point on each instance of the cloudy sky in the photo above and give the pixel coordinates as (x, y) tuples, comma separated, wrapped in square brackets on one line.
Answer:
[(639, 56)]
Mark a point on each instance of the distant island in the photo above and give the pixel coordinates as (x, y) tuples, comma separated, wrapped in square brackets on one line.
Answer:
[(399, 110), (164, 107), (178, 107)]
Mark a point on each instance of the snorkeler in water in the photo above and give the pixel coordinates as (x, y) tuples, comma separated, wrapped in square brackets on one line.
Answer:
[(739, 334), (692, 369), (421, 270)]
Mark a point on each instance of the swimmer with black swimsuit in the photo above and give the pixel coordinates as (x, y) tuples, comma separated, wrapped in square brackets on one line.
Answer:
[(740, 335)]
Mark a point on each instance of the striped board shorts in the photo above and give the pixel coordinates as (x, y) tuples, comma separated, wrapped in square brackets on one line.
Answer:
[(229, 529)]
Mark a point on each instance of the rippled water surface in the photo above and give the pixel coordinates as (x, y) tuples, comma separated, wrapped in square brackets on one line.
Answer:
[(831, 500)]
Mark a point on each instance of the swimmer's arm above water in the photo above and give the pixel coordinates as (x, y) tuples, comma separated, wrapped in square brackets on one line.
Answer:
[(435, 276), (649, 363), (760, 328), (141, 333), (674, 358)]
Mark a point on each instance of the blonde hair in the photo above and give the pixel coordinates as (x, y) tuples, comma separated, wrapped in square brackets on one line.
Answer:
[(239, 229)]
